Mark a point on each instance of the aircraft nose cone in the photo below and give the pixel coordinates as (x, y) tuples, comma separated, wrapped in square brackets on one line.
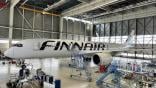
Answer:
[(8, 53)]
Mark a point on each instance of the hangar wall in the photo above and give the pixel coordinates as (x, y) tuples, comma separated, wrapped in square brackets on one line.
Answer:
[(76, 30), (115, 28), (4, 28), (29, 24), (138, 12)]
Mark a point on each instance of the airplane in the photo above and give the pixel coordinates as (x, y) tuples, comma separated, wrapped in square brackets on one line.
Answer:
[(47, 48)]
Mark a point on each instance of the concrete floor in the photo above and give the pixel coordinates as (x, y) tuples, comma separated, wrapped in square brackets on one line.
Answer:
[(56, 67)]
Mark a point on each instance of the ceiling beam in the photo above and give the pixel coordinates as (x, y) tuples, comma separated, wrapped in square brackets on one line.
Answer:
[(85, 7), (38, 11), (24, 2), (85, 1)]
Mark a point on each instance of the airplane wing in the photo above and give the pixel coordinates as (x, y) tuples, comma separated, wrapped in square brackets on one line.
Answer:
[(112, 51), (142, 49)]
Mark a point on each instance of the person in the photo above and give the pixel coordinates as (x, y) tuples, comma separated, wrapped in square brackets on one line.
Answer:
[(23, 73), (40, 74)]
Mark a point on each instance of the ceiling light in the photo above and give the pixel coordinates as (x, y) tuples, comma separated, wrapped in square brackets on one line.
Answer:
[(7, 41), (76, 19)]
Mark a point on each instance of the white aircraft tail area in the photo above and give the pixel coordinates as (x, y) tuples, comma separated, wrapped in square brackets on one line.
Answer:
[(129, 40)]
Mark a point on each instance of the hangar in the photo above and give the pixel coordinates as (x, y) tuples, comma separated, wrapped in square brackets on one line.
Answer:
[(110, 43)]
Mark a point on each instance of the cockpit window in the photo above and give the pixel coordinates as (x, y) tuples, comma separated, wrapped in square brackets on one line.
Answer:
[(18, 45)]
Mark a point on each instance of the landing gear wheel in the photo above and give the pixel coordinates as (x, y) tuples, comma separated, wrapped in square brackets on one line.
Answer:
[(80, 74), (90, 80), (71, 76)]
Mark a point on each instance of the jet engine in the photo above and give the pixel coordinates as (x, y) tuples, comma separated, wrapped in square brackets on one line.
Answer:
[(102, 58)]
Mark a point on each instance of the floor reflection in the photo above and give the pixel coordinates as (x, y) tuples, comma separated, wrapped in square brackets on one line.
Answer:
[(56, 67)]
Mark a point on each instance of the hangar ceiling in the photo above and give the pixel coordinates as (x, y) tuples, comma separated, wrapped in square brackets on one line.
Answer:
[(57, 5), (66, 6), (108, 8)]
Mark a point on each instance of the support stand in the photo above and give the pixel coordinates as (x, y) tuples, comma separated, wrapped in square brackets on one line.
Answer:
[(80, 64)]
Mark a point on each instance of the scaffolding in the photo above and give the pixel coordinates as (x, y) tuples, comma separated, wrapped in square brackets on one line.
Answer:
[(79, 67)]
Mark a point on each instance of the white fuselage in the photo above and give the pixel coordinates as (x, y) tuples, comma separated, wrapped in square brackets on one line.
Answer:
[(46, 48)]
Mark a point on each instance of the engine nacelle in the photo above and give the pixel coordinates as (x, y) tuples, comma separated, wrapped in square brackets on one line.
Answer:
[(102, 58)]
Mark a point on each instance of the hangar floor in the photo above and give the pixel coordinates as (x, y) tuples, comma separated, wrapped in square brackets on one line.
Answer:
[(56, 67)]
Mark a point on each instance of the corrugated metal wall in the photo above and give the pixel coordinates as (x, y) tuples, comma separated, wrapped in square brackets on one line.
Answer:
[(28, 24), (116, 31), (76, 30)]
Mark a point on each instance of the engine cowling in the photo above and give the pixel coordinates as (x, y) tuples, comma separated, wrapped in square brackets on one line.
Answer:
[(102, 58)]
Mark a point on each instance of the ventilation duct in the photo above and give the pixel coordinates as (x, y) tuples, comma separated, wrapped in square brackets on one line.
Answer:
[(55, 5)]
